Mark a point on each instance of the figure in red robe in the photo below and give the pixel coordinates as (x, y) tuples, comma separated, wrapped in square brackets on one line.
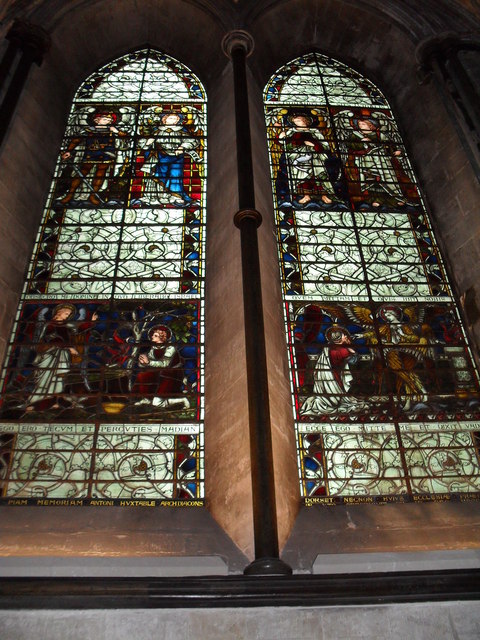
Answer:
[(159, 380)]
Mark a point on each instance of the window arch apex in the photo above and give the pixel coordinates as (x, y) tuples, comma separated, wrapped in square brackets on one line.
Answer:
[(102, 388)]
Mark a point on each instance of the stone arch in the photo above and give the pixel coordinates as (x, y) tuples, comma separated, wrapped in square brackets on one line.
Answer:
[(357, 32), (59, 85), (339, 167)]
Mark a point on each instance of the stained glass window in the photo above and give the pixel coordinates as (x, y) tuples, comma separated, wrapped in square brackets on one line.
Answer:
[(385, 392), (102, 388)]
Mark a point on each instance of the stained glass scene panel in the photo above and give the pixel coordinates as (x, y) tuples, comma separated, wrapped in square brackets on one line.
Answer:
[(102, 387), (385, 392)]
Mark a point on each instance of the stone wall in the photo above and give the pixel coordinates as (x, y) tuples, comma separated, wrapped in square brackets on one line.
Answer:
[(426, 621), (378, 39)]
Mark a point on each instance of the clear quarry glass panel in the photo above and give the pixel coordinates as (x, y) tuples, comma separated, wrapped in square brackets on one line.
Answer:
[(102, 386), (385, 392)]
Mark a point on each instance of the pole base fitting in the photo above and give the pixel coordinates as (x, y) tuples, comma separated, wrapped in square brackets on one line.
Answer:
[(268, 567)]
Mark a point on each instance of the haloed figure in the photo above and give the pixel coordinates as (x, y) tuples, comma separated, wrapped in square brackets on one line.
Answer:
[(403, 351), (54, 358), (165, 160), (383, 178), (98, 162), (303, 166), (159, 379)]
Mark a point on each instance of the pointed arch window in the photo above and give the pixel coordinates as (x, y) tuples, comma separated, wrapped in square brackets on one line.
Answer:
[(385, 392), (102, 389)]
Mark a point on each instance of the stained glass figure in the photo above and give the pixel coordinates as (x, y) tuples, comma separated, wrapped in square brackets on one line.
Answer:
[(102, 387), (385, 392)]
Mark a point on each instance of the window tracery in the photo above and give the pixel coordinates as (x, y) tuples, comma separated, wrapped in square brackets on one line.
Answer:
[(102, 390), (385, 392)]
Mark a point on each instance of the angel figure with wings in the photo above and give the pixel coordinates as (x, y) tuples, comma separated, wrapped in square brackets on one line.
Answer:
[(99, 141), (376, 167), (406, 342), (52, 366), (171, 138)]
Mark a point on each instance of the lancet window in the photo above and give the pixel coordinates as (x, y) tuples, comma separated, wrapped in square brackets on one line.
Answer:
[(102, 388), (385, 392)]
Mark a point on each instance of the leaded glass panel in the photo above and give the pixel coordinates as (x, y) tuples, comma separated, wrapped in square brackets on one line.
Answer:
[(385, 392), (102, 387)]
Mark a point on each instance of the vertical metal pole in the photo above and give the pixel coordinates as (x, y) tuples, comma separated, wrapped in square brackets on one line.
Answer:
[(238, 45), (33, 41)]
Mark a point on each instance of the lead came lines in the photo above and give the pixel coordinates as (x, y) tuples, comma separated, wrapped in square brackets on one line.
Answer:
[(110, 327), (373, 332)]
